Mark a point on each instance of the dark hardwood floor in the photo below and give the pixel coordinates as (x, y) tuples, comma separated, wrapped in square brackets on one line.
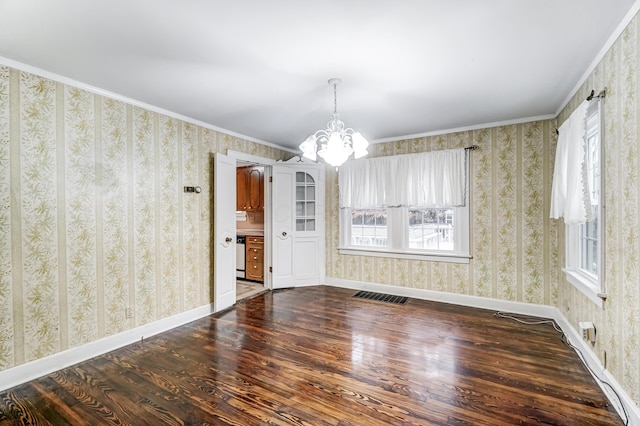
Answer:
[(317, 356)]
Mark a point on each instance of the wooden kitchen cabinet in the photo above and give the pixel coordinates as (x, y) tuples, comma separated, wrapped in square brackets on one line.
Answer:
[(250, 189), (241, 188), (254, 258)]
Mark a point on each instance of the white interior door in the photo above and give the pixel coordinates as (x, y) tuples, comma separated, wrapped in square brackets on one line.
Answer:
[(224, 232), (282, 224), (297, 225)]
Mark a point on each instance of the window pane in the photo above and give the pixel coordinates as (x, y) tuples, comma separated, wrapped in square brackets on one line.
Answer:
[(311, 225), (369, 227), (311, 193), (588, 232), (431, 229), (300, 193), (311, 209)]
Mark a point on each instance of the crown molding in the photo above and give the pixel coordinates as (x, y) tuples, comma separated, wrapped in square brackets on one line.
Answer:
[(467, 128), (633, 11), (98, 91)]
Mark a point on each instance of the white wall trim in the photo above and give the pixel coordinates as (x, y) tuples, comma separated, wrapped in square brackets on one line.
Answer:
[(71, 82), (608, 44), (250, 158), (599, 372), (47, 365), (468, 128), (544, 311), (456, 299)]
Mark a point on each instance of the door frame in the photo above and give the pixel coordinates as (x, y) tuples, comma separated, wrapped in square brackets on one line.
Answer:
[(266, 163)]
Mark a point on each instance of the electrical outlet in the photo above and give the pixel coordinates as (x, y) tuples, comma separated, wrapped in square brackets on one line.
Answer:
[(588, 331), (128, 312)]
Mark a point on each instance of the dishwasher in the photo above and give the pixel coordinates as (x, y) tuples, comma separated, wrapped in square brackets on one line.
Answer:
[(240, 256)]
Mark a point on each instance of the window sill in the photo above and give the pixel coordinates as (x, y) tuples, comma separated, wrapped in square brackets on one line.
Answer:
[(434, 257), (586, 286)]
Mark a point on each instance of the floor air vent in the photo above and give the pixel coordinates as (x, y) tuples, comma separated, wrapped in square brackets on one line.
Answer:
[(381, 297)]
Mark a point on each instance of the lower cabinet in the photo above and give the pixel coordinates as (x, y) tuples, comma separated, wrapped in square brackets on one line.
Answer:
[(255, 258)]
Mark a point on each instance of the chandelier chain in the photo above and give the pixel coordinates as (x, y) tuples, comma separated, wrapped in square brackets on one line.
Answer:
[(335, 99)]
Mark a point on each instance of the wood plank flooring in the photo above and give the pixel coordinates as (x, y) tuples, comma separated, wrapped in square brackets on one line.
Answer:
[(317, 356)]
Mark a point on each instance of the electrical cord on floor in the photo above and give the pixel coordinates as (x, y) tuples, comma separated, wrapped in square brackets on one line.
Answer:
[(565, 339)]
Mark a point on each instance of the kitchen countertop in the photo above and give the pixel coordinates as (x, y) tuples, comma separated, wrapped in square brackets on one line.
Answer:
[(250, 232)]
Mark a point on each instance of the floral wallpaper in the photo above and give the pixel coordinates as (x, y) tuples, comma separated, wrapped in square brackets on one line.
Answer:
[(113, 213), (512, 240), (93, 219), (618, 322), (7, 343)]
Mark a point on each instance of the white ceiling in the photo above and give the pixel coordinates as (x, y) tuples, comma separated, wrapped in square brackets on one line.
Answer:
[(260, 68)]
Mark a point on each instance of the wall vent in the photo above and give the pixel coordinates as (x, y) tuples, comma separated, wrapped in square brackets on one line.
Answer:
[(381, 297)]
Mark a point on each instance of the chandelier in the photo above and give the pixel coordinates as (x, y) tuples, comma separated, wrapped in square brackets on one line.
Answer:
[(335, 144)]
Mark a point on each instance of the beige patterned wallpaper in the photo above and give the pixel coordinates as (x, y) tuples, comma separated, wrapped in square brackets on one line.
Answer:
[(618, 324), (513, 242), (93, 218)]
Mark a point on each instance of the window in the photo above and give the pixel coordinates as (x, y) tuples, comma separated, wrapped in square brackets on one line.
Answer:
[(305, 202), (583, 240), (416, 233), (409, 229)]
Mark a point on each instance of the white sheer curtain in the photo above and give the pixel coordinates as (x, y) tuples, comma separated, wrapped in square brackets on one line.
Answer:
[(430, 179), (569, 193)]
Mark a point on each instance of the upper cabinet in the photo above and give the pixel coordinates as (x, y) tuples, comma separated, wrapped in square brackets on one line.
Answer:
[(250, 188)]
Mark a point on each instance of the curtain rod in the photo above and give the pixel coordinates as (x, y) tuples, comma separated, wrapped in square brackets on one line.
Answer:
[(600, 95), (471, 148), (591, 96)]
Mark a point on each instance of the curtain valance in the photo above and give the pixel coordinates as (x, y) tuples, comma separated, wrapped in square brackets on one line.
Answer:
[(429, 179)]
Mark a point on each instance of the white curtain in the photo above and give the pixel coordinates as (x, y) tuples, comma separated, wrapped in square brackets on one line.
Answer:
[(569, 191), (430, 179)]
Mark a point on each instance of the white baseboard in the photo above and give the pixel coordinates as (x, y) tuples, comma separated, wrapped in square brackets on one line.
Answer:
[(544, 311), (600, 373), (47, 365)]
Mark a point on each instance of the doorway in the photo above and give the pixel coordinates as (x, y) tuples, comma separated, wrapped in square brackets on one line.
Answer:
[(252, 207), (292, 237)]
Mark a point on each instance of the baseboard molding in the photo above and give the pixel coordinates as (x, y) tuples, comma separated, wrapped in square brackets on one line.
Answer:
[(47, 365), (600, 373), (543, 311)]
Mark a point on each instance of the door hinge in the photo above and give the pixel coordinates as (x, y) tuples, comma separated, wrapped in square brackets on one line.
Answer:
[(270, 269), (270, 179)]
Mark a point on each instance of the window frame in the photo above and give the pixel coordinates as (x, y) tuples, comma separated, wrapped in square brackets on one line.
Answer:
[(589, 284), (398, 237)]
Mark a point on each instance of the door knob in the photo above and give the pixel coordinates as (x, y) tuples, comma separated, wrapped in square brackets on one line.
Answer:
[(284, 233), (228, 239)]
